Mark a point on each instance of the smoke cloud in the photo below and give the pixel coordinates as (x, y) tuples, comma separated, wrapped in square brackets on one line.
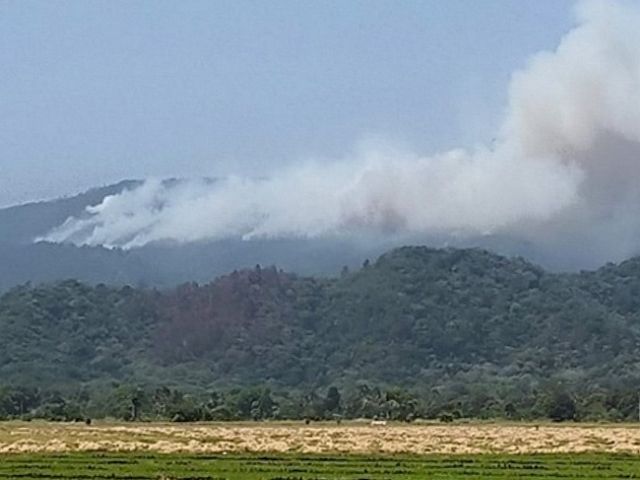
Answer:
[(563, 168)]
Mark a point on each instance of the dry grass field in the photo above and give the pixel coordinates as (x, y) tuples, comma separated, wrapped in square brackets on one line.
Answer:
[(323, 438)]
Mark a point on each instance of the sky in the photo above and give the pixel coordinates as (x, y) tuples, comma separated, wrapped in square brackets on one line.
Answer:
[(92, 92)]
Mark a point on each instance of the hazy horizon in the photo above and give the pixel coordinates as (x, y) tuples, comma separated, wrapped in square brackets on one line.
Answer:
[(96, 92), (360, 120)]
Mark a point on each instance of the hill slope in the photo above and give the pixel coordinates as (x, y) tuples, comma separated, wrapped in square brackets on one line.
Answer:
[(169, 264), (158, 264), (466, 324)]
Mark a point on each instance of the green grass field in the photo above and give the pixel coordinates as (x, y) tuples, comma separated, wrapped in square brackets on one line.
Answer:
[(330, 467)]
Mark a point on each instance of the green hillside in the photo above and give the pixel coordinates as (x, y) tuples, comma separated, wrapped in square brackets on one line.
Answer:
[(462, 331)]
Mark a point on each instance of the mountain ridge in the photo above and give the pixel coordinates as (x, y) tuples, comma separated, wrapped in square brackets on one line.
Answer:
[(165, 265), (470, 305), (462, 330)]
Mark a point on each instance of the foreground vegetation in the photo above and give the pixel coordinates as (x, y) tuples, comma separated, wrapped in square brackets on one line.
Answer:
[(296, 467), (323, 438), (295, 451), (419, 333)]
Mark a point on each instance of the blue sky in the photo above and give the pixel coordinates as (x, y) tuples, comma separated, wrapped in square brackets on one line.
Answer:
[(96, 91)]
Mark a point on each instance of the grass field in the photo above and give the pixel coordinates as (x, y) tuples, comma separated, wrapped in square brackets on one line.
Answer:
[(305, 467), (294, 451)]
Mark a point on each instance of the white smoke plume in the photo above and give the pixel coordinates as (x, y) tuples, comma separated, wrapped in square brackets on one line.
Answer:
[(564, 165)]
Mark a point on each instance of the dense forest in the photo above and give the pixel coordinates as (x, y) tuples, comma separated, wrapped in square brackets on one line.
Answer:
[(419, 332)]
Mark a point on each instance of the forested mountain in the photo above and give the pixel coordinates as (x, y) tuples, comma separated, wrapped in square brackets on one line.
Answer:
[(466, 328), (157, 264), (21, 224), (166, 264)]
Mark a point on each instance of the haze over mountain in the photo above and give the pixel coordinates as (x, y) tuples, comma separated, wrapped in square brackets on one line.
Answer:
[(555, 185), (22, 259), (559, 174)]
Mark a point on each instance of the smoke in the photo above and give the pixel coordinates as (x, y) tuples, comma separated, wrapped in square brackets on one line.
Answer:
[(562, 169)]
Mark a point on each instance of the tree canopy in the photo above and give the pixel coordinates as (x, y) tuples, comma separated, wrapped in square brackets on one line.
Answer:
[(464, 332)]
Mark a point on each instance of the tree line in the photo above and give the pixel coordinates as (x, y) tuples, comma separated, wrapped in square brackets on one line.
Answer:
[(134, 403)]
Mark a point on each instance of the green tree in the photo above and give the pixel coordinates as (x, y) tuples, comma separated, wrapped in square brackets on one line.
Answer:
[(560, 406), (332, 401)]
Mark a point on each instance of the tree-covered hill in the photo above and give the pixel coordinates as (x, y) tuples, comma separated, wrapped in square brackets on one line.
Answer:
[(450, 325)]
